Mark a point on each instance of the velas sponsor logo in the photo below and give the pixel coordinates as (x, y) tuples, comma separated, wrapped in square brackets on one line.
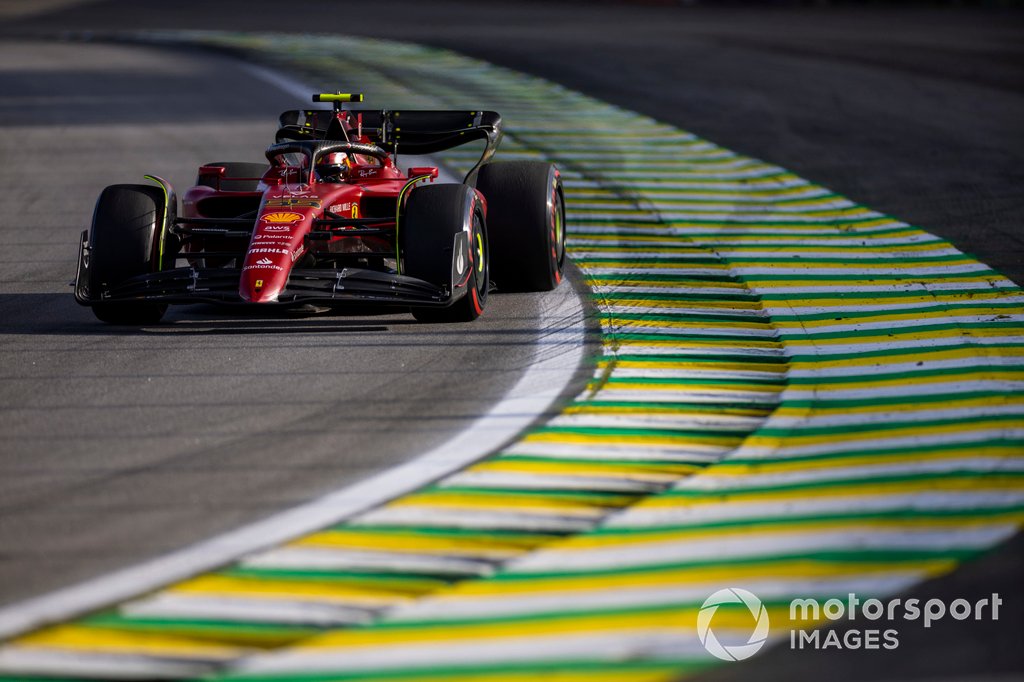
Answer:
[(281, 217), (731, 598), (293, 203)]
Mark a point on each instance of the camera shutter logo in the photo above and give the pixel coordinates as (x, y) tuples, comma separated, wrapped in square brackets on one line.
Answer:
[(739, 652)]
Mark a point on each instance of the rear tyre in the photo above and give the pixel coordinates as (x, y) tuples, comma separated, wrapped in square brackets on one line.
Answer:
[(237, 169), (526, 223), (434, 216), (125, 228)]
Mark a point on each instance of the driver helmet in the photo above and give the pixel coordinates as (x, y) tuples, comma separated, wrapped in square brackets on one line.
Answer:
[(332, 167)]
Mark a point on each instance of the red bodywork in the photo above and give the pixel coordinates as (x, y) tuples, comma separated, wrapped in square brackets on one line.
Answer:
[(288, 209), (321, 222), (292, 200)]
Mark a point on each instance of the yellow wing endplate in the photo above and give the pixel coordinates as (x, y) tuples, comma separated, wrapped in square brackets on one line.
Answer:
[(338, 97)]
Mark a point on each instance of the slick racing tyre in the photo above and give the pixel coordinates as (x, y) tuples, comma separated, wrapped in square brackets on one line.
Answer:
[(434, 215), (125, 227), (248, 171), (526, 224)]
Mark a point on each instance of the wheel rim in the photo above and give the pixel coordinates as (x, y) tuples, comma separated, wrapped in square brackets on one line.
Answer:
[(557, 234), (481, 273), (480, 254), (559, 230)]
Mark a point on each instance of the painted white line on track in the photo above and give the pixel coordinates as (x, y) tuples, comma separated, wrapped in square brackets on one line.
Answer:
[(557, 355)]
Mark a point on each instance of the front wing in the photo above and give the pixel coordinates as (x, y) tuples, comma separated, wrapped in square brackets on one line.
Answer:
[(220, 285)]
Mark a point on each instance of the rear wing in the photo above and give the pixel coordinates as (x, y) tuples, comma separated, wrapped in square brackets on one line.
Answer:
[(409, 131)]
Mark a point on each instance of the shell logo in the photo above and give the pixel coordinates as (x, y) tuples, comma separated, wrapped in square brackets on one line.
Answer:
[(281, 217)]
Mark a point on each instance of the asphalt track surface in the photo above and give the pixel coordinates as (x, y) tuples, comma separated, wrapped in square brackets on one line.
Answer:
[(120, 445), (914, 113)]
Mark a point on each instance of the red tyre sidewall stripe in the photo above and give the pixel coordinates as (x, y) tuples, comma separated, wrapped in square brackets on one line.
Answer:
[(476, 301)]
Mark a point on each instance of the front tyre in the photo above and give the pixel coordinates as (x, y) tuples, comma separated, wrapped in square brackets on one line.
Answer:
[(126, 226), (434, 216), (526, 223)]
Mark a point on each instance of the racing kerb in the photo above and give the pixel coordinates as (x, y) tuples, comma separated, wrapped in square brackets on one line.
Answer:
[(797, 395)]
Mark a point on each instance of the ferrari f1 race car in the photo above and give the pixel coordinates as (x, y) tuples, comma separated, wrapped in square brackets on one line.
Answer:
[(331, 218)]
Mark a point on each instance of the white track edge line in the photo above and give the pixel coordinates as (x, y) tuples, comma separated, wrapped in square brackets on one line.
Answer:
[(544, 381)]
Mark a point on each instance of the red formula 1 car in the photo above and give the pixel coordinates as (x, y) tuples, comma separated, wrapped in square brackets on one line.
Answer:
[(332, 219)]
